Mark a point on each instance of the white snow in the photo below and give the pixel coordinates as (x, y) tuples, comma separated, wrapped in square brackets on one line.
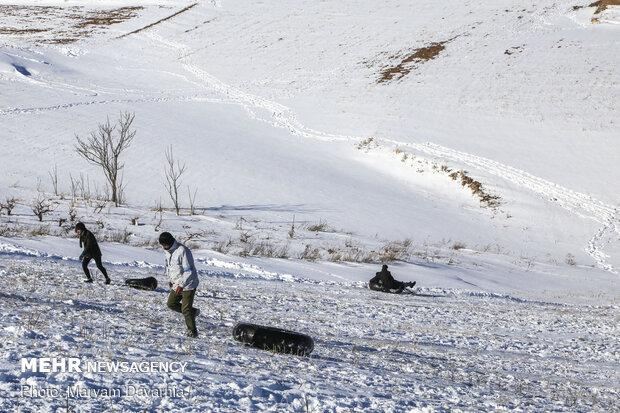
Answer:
[(308, 169)]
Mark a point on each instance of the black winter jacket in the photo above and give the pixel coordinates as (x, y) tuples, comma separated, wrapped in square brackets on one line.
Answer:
[(91, 248), (385, 279)]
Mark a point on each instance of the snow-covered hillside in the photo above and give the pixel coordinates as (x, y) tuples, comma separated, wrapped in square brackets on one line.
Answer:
[(474, 147), (441, 350)]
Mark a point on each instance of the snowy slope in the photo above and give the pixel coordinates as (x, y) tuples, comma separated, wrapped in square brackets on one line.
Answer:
[(319, 137), (440, 350)]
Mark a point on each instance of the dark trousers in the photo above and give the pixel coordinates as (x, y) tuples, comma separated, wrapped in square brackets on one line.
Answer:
[(184, 304), (99, 266)]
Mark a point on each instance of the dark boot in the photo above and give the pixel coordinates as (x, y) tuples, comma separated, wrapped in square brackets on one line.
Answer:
[(192, 333)]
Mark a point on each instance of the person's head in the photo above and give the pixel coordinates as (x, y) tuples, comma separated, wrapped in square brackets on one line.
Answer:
[(384, 267), (79, 228), (166, 240)]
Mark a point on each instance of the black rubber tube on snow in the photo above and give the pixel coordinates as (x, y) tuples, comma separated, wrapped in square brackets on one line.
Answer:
[(380, 287), (273, 339), (149, 283)]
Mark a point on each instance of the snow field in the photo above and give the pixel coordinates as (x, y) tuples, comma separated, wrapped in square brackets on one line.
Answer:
[(439, 350), (278, 110)]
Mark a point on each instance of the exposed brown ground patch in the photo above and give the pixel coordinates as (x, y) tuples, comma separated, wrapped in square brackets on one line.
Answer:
[(59, 25), (602, 5), (490, 201), (411, 61)]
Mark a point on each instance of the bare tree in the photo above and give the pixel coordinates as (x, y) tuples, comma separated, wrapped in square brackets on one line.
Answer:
[(41, 206), (173, 178), (54, 176), (9, 205), (104, 149), (192, 201)]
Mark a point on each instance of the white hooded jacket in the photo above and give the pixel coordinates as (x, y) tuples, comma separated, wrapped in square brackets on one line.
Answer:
[(180, 267)]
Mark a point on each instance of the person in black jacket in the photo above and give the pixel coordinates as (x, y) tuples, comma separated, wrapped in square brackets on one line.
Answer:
[(91, 251), (383, 281)]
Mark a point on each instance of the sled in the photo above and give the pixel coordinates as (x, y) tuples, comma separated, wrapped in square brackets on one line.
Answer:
[(149, 283), (273, 339), (379, 287)]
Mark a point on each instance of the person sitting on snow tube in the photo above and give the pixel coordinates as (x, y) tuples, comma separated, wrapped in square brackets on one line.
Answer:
[(383, 281)]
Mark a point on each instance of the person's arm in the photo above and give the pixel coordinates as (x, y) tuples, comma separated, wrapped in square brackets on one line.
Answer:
[(87, 245), (187, 266), (167, 259)]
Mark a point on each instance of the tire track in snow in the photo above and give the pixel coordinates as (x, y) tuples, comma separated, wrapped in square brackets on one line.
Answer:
[(282, 116)]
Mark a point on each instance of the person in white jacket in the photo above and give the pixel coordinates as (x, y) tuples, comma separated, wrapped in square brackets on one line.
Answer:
[(183, 280)]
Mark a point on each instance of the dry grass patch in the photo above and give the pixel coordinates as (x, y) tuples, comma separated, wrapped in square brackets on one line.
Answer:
[(410, 62), (490, 201), (603, 4), (60, 25)]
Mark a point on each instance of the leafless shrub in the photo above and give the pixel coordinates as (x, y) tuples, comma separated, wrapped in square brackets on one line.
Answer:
[(263, 249), (458, 246), (41, 206), (104, 150), (39, 231), (192, 201), (33, 320), (194, 235), (173, 178), (245, 236), (80, 188), (223, 247), (9, 205), (282, 252), (335, 254), (158, 207), (247, 247), (395, 251), (359, 254), (570, 259), (160, 221), (310, 253), (491, 201), (13, 230), (239, 223), (54, 177), (99, 206), (74, 188), (72, 213), (321, 226), (291, 232), (121, 237)]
